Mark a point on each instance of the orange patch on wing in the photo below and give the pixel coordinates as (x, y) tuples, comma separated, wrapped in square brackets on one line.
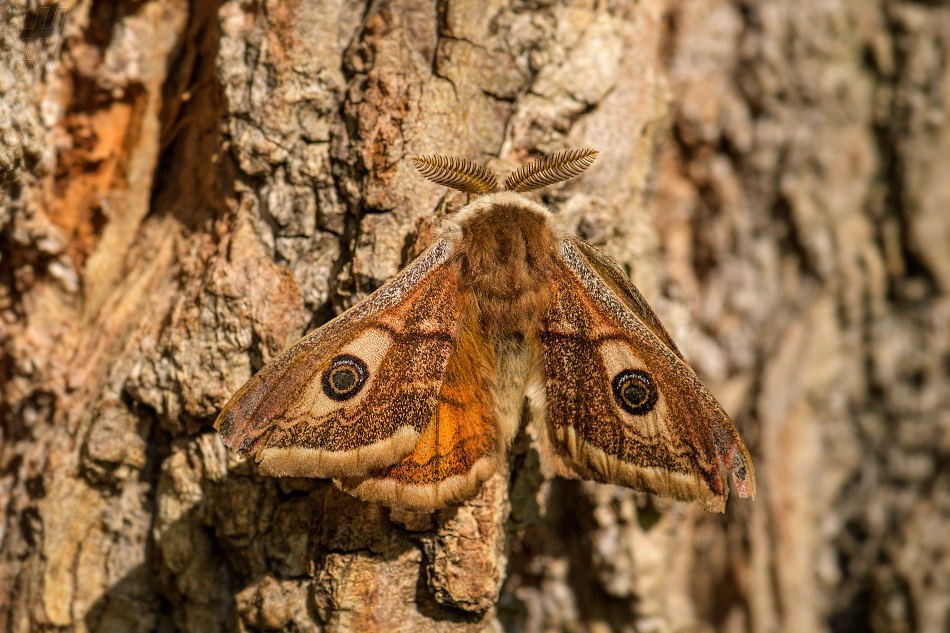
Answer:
[(463, 430)]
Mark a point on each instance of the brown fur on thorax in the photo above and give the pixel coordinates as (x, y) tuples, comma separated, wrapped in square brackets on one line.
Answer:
[(506, 251)]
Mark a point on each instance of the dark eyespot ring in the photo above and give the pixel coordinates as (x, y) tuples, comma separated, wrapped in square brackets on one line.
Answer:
[(344, 378), (635, 391)]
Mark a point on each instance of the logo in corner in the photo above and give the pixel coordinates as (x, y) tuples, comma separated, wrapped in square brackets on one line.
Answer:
[(37, 42)]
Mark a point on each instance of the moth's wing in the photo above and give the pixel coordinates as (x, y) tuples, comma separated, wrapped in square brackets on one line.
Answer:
[(403, 334), (462, 445), (672, 438)]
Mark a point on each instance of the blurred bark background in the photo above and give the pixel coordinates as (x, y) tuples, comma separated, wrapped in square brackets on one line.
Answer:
[(191, 186)]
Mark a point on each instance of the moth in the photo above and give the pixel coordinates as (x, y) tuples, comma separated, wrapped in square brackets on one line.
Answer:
[(411, 398)]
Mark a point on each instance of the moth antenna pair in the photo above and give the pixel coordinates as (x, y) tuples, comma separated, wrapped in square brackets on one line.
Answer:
[(464, 175)]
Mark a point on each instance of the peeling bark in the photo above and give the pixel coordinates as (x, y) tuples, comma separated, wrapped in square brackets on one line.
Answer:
[(190, 187)]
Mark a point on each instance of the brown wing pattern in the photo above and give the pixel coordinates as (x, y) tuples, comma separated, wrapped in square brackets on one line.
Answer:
[(461, 445), (622, 405), (619, 285), (400, 337)]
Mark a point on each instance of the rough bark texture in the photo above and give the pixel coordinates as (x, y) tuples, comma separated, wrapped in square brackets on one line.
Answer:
[(189, 187)]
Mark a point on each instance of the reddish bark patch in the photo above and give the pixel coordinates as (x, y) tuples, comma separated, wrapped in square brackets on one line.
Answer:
[(95, 165)]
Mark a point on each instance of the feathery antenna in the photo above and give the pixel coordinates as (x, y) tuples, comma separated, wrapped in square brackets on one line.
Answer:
[(548, 170), (457, 173), (469, 177)]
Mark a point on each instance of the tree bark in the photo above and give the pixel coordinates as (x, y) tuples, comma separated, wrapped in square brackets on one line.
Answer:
[(189, 187)]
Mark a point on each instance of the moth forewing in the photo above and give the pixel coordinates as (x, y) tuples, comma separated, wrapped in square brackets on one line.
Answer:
[(638, 415), (291, 420)]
